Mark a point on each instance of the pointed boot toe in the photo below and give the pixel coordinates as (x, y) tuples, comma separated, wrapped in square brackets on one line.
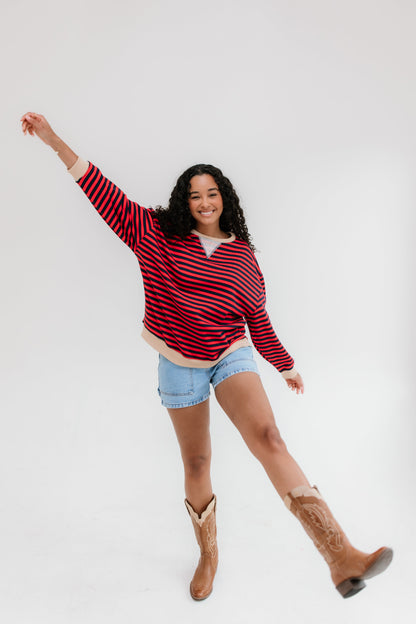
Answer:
[(366, 566), (200, 593)]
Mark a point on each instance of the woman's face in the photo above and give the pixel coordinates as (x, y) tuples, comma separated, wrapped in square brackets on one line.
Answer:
[(205, 201)]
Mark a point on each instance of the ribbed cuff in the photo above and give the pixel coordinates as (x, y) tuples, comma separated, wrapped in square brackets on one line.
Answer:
[(289, 374), (79, 168)]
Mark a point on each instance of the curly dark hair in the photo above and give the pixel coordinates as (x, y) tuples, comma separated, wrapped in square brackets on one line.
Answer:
[(176, 219)]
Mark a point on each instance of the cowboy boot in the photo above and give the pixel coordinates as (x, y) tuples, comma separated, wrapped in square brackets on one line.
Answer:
[(206, 534), (348, 566)]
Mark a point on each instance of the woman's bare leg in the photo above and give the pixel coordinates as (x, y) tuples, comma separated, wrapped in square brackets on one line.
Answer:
[(191, 426), (244, 400)]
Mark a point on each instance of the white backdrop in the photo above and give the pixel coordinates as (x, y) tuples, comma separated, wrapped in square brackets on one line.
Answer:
[(308, 107)]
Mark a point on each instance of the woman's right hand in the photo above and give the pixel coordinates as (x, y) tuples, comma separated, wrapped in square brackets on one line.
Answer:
[(37, 124), (296, 383)]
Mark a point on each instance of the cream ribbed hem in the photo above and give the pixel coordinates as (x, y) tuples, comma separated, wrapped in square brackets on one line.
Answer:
[(79, 168), (177, 358), (201, 519)]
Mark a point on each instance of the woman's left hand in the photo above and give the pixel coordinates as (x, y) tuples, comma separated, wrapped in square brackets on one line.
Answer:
[(295, 384)]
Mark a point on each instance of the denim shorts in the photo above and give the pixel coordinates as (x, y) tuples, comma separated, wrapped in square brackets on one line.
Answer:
[(182, 386)]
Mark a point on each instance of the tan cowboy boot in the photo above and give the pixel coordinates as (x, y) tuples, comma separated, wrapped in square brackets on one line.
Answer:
[(206, 533), (348, 566)]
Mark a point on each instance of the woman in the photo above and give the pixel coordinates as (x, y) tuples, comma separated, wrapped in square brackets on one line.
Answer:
[(202, 284)]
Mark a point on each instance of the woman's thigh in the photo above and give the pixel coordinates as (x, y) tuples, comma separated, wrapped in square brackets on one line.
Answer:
[(191, 426), (244, 400)]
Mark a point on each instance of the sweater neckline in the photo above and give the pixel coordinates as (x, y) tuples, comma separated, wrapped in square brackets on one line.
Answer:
[(230, 239)]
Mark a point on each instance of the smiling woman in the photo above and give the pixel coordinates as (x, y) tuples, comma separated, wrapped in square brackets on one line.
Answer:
[(205, 204), (204, 189), (199, 297)]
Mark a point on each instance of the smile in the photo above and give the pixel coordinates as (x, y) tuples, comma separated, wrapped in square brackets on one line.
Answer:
[(206, 214)]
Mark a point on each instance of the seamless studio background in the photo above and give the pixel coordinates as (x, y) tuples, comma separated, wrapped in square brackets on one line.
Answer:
[(308, 107)]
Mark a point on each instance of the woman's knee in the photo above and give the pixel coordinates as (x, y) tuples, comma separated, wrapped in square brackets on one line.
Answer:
[(267, 439), (197, 466)]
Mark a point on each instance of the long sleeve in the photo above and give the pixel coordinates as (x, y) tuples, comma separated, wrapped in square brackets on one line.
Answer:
[(126, 218), (261, 330), (268, 344)]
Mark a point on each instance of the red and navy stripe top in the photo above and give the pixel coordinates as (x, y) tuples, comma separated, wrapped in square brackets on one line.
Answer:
[(196, 305)]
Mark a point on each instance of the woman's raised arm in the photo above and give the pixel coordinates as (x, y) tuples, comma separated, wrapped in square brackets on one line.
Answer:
[(130, 221), (37, 124)]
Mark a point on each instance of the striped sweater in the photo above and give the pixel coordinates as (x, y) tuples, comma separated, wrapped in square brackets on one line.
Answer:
[(199, 292)]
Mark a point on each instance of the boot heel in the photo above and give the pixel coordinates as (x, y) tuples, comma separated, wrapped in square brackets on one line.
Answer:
[(350, 587)]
